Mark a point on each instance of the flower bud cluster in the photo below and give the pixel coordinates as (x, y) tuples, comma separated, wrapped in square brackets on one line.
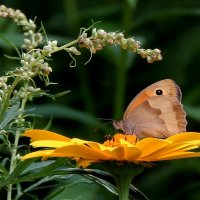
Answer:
[(4, 87), (19, 120), (3, 82), (31, 65), (101, 38), (150, 55), (50, 47), (32, 39), (25, 92), (16, 15)]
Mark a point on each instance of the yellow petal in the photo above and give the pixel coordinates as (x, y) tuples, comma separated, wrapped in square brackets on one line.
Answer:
[(132, 153), (42, 153), (127, 143), (82, 151), (177, 155), (35, 135), (78, 141), (185, 137), (151, 145), (117, 153), (170, 148), (48, 143), (122, 153)]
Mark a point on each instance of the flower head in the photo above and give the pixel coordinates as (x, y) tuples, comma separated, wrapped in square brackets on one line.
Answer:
[(120, 148)]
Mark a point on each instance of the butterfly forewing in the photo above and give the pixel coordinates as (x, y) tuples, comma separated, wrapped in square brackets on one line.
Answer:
[(168, 86)]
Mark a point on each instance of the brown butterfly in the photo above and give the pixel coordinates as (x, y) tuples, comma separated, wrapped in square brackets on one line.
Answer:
[(155, 112)]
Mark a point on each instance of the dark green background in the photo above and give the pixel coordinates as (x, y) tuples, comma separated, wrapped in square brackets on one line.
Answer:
[(104, 87)]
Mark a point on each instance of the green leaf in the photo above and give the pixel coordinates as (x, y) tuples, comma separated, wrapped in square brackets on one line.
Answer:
[(10, 114), (55, 193), (17, 171), (43, 172), (34, 166), (15, 177), (28, 196), (86, 188), (137, 194), (3, 172), (110, 187), (44, 180), (96, 175)]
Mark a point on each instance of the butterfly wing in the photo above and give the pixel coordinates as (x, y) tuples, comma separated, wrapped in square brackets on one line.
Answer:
[(159, 116), (167, 86)]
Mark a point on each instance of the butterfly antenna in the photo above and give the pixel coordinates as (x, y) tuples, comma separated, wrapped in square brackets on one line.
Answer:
[(106, 119)]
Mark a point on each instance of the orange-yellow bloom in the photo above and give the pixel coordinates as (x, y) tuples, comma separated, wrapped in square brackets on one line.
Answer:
[(120, 148)]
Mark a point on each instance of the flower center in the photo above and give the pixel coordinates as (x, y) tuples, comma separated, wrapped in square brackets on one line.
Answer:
[(115, 140)]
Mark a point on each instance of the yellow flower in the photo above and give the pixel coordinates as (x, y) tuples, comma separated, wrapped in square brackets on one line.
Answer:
[(120, 148)]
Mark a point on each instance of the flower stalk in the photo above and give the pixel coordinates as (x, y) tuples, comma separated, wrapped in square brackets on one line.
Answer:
[(123, 174), (13, 160)]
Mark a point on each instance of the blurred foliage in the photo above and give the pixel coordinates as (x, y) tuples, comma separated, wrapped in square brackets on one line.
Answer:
[(104, 87)]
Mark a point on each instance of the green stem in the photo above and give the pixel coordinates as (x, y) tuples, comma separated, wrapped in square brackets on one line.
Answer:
[(123, 183), (65, 46), (123, 173), (14, 149), (53, 51)]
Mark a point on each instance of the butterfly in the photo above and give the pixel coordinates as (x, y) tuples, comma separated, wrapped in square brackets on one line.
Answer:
[(155, 112)]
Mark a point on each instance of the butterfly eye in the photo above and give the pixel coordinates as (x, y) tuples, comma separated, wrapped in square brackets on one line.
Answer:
[(159, 92)]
